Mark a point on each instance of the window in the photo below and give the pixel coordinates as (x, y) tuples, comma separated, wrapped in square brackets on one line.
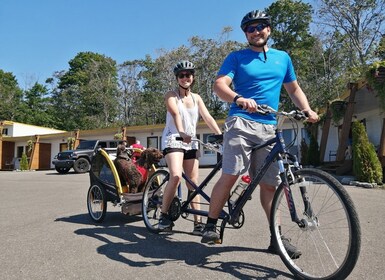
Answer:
[(19, 151), (288, 137), (5, 131), (152, 142), (305, 135)]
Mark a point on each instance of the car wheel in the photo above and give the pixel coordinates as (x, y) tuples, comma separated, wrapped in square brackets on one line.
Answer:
[(81, 165), (62, 170)]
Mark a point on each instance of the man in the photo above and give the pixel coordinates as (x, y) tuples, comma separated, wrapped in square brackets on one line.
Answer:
[(257, 74)]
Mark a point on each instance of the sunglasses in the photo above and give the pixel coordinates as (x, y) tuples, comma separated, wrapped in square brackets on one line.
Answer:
[(258, 27), (184, 75)]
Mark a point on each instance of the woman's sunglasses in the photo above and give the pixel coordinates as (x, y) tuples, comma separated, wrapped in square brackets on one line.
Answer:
[(258, 27), (184, 75)]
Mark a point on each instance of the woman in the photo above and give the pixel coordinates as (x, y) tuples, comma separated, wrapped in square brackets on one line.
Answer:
[(183, 110)]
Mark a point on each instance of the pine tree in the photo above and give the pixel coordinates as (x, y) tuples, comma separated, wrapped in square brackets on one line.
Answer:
[(366, 165), (24, 162)]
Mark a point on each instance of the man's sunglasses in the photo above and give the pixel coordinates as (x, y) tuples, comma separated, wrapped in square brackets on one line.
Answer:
[(258, 27), (183, 75)]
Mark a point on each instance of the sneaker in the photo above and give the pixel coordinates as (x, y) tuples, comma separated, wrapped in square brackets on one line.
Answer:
[(209, 235), (165, 223), (291, 250), (198, 228)]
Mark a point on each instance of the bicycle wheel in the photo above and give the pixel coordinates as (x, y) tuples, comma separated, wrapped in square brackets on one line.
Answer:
[(96, 203), (329, 235), (152, 199)]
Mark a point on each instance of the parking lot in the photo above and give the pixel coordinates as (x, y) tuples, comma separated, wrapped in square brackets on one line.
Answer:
[(46, 233)]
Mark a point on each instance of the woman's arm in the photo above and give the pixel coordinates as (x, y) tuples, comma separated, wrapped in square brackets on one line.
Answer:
[(300, 100)]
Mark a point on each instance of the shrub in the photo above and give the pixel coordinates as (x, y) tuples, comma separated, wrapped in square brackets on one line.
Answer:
[(366, 165), (24, 162), (304, 152), (313, 155)]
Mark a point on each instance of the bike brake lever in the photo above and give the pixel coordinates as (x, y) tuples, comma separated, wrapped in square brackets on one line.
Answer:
[(299, 115)]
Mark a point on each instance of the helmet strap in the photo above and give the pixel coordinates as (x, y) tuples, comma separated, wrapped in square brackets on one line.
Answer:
[(185, 88)]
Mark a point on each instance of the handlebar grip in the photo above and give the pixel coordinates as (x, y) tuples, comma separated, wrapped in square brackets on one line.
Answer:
[(179, 138)]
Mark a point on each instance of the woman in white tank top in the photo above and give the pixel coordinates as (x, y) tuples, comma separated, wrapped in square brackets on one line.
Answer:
[(183, 111)]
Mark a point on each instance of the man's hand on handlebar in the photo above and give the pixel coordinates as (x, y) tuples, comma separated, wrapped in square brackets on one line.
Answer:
[(311, 116), (247, 104)]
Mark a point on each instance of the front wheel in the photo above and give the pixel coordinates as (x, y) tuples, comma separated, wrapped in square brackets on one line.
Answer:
[(152, 199), (327, 231)]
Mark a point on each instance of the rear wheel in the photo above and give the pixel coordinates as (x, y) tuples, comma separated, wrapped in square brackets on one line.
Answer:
[(328, 234), (96, 203), (62, 170), (152, 199), (82, 165)]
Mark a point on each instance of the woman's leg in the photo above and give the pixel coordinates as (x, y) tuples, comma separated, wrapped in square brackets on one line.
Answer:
[(174, 163), (191, 168)]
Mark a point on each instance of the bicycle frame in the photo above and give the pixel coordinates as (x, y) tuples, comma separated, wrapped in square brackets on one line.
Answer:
[(232, 215), (199, 190), (280, 153)]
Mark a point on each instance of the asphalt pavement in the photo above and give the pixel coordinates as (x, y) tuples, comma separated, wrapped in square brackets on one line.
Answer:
[(46, 233)]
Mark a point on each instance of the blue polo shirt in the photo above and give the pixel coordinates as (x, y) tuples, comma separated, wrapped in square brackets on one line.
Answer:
[(257, 78)]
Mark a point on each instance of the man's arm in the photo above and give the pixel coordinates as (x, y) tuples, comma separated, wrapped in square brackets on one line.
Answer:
[(223, 90), (300, 100)]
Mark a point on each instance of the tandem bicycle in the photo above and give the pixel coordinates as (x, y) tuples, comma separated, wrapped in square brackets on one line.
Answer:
[(310, 207)]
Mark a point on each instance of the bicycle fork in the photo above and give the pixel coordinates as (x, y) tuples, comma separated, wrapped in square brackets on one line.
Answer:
[(284, 174)]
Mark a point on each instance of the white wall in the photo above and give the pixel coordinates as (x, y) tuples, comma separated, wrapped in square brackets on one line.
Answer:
[(19, 129)]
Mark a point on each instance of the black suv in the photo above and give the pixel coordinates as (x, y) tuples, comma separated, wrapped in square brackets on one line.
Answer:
[(80, 159)]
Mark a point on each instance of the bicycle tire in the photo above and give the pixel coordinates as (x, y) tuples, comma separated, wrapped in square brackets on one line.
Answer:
[(97, 203), (331, 241), (152, 199)]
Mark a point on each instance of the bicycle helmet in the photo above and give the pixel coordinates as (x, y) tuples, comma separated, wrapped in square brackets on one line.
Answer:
[(184, 65), (253, 17)]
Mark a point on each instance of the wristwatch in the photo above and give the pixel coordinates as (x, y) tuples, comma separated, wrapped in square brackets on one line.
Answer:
[(236, 98)]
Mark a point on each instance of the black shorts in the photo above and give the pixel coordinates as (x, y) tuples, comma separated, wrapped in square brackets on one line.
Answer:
[(187, 154)]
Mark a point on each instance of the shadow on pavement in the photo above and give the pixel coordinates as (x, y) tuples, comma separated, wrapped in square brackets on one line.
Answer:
[(158, 249)]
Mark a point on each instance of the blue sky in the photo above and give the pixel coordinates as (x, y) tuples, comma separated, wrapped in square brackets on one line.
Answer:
[(39, 37)]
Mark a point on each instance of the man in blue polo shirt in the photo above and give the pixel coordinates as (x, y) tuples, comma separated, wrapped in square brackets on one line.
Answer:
[(257, 75)]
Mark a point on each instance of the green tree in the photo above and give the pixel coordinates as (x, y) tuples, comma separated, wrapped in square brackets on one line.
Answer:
[(86, 95), (313, 156), (366, 165), (24, 165), (38, 109), (10, 96), (380, 51)]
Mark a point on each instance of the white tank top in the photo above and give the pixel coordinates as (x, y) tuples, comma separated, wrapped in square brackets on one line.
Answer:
[(189, 118)]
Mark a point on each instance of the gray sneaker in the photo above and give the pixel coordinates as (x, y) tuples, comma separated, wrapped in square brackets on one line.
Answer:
[(198, 228), (165, 223), (209, 235), (291, 250)]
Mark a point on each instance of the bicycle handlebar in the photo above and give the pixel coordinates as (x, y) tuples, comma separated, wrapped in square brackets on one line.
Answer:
[(296, 114), (214, 142)]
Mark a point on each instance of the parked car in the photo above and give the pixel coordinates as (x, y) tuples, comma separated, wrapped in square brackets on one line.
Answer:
[(80, 159)]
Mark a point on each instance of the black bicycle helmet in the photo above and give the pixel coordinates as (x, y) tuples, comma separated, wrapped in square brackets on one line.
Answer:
[(184, 65), (254, 16)]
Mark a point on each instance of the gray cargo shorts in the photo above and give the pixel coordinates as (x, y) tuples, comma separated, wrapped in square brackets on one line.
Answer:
[(240, 137)]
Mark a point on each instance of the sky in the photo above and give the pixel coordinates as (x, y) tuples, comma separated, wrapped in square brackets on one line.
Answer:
[(39, 37)]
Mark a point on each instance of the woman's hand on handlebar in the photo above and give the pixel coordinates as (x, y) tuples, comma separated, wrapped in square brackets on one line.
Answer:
[(186, 137)]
